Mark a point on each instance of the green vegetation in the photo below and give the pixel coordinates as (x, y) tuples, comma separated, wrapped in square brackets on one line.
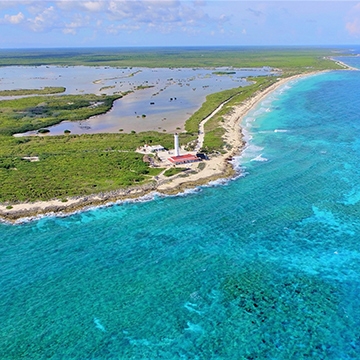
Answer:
[(224, 72), (214, 100), (107, 87), (286, 58), (213, 140), (45, 91), (142, 87), (33, 113), (211, 104), (173, 171), (43, 131), (74, 164)]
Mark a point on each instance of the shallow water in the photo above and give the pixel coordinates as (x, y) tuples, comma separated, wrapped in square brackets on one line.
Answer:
[(264, 267), (174, 94)]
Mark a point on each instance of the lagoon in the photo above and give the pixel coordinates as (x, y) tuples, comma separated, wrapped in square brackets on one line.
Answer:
[(166, 96)]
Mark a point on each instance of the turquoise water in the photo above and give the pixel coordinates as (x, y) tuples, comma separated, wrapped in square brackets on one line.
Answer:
[(264, 267)]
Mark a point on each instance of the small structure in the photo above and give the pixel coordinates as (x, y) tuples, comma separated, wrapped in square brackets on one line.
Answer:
[(202, 156), (31, 158), (154, 148), (183, 159)]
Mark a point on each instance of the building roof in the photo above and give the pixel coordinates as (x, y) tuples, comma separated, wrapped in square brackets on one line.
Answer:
[(183, 158), (155, 148)]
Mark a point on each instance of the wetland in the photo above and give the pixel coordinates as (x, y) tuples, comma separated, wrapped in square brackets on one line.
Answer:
[(157, 99)]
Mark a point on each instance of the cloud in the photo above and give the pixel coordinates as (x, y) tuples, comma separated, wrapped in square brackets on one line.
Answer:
[(14, 19), (78, 22), (93, 6), (149, 15), (357, 7), (162, 16), (116, 29), (353, 23), (257, 13), (67, 31), (43, 20), (223, 18), (353, 27), (145, 11), (109, 19)]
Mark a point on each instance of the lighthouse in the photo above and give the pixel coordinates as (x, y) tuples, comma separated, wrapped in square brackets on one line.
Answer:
[(176, 144), (178, 159)]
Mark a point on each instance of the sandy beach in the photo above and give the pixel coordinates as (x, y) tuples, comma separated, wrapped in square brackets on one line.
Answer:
[(343, 65), (216, 167)]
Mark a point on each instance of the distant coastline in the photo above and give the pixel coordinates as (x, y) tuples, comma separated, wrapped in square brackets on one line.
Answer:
[(345, 66)]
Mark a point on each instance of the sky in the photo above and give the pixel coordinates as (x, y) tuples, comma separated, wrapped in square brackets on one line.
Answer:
[(124, 23)]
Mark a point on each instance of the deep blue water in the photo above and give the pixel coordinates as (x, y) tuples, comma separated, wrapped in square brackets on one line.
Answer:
[(265, 267)]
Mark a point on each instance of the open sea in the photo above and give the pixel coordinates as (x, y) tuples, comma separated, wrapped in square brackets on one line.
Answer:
[(266, 266)]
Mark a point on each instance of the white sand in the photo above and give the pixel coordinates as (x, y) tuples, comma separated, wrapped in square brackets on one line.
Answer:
[(216, 166)]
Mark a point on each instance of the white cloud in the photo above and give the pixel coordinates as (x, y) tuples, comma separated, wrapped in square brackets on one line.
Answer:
[(353, 27), (93, 5), (14, 19), (79, 22), (82, 5), (159, 15), (69, 31), (115, 30), (44, 20), (353, 23)]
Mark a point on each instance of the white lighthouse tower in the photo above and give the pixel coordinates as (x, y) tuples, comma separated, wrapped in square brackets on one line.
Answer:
[(178, 159), (176, 144)]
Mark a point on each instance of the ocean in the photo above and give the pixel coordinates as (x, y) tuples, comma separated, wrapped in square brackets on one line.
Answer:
[(264, 266)]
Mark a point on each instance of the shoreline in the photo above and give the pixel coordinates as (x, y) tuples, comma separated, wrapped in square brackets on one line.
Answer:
[(342, 64), (217, 167)]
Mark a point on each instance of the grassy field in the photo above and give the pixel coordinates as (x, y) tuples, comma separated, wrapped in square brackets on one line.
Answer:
[(71, 165), (45, 91), (287, 58)]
